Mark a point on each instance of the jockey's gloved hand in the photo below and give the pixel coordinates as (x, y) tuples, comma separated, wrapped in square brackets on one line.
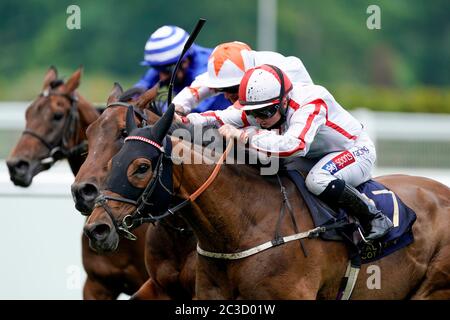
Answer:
[(180, 110), (180, 119), (230, 132)]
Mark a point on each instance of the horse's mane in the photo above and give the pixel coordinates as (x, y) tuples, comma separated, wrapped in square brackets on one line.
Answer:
[(216, 142), (131, 94), (195, 136)]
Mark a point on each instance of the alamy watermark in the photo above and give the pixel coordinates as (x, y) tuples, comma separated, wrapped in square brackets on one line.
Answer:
[(374, 279), (74, 277), (208, 148), (73, 21), (373, 22)]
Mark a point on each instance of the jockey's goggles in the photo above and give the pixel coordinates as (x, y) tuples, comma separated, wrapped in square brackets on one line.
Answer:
[(264, 113)]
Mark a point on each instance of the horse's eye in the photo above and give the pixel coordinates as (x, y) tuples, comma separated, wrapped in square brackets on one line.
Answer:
[(143, 168), (123, 133), (58, 116)]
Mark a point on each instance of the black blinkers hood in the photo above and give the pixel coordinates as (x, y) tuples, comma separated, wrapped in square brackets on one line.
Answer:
[(117, 180)]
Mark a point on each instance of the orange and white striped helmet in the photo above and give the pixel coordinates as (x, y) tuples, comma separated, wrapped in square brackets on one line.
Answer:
[(226, 65)]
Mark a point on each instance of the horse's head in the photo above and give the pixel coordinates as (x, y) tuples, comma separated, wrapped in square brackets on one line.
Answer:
[(139, 174), (105, 138), (51, 121)]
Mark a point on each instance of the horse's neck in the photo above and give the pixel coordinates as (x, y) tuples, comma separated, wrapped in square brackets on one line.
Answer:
[(224, 216), (87, 115)]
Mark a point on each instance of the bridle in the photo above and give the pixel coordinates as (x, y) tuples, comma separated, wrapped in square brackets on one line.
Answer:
[(58, 150), (145, 204)]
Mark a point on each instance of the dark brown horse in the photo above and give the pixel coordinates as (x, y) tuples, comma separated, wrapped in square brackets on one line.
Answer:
[(56, 123), (239, 211), (170, 250)]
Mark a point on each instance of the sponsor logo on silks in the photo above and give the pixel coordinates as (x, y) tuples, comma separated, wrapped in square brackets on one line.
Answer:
[(361, 151), (339, 162)]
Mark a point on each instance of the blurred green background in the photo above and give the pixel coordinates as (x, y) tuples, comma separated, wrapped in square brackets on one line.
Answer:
[(405, 66)]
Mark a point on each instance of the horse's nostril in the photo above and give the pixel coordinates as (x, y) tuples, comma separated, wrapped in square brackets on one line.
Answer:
[(84, 195), (89, 191), (20, 167), (101, 231)]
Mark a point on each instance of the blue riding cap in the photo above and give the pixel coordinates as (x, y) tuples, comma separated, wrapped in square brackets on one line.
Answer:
[(164, 46)]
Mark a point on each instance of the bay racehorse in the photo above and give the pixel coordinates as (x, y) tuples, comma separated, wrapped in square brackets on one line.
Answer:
[(55, 129), (56, 122), (170, 250), (239, 210)]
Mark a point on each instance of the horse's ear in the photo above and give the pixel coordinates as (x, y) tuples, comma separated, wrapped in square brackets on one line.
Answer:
[(147, 96), (115, 94), (74, 81), (161, 128), (51, 75), (130, 124)]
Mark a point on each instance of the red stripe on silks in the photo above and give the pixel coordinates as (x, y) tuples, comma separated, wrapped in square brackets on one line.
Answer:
[(301, 145), (212, 114), (194, 91), (340, 130), (244, 119), (330, 124), (317, 101), (294, 105), (309, 121)]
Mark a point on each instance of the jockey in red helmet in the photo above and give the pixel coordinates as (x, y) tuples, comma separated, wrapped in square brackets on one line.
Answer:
[(310, 123)]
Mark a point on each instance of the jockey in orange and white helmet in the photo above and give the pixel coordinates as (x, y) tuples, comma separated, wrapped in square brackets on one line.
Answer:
[(309, 123), (226, 67)]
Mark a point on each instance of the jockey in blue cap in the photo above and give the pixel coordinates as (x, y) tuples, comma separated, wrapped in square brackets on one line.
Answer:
[(162, 51)]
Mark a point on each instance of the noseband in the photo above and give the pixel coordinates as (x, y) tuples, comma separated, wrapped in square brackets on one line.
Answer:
[(58, 150)]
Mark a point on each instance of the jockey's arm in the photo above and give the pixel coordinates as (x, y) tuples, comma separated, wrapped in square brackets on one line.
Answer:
[(148, 80), (296, 141), (231, 115), (188, 98)]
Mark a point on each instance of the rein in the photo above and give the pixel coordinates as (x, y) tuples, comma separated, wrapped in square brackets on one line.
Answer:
[(138, 217), (58, 150)]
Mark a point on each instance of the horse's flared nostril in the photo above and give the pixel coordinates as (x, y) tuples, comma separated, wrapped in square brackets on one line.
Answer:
[(84, 195), (87, 191), (18, 167), (97, 232)]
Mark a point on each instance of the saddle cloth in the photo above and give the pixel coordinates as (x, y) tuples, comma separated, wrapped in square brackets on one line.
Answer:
[(385, 200)]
